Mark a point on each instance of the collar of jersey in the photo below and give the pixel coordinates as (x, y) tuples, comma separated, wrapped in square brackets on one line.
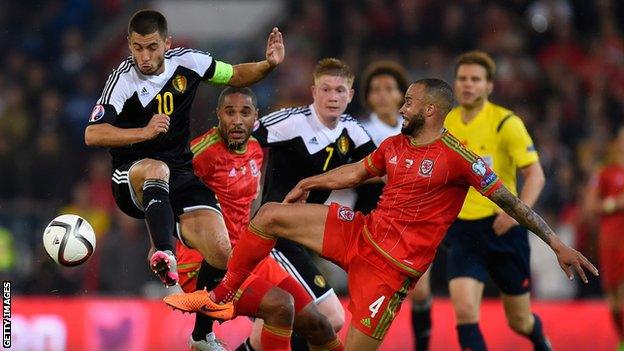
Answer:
[(332, 134), (413, 142), (483, 112)]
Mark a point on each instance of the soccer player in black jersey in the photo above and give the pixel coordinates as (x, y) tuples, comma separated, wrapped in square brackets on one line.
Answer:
[(305, 141), (143, 117)]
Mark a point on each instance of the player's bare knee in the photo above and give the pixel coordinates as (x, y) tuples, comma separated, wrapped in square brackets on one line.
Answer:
[(467, 313), (154, 169), (277, 307), (519, 322), (314, 326), (267, 216), (420, 294)]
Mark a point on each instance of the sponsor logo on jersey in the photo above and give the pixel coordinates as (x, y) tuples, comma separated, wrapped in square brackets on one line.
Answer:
[(393, 160), (366, 322), (346, 214), (179, 83), (232, 173), (144, 91), (254, 168), (313, 141), (343, 144), (479, 167), (408, 163), (319, 280), (97, 113), (426, 168)]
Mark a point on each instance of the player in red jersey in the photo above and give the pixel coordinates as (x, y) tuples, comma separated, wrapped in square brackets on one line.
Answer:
[(429, 173), (228, 161), (606, 198)]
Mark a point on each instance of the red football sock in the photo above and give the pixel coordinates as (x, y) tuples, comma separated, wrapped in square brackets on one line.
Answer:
[(252, 247), (275, 338), (334, 345), (299, 294), (250, 295)]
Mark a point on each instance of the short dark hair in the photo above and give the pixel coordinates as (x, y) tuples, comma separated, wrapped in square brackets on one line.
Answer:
[(146, 22), (438, 92), (237, 90), (379, 68), (333, 67), (480, 58)]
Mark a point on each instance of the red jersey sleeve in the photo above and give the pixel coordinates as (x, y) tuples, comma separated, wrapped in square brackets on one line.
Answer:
[(473, 170), (375, 162), (202, 164)]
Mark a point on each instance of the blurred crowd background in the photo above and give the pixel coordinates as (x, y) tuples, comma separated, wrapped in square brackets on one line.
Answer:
[(560, 67)]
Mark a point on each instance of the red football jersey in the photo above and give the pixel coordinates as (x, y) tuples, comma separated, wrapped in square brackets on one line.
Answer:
[(233, 176), (610, 182), (425, 190)]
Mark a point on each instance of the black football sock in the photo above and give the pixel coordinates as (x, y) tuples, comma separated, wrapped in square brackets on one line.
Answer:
[(298, 342), (540, 343), (421, 323), (158, 213), (208, 277), (470, 337)]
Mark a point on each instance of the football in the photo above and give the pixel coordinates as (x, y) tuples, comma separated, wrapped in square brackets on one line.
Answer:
[(69, 240)]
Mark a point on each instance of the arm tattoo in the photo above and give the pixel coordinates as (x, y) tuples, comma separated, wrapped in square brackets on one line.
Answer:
[(522, 213)]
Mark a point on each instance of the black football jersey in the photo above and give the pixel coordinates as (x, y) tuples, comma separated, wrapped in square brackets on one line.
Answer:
[(301, 146), (130, 99)]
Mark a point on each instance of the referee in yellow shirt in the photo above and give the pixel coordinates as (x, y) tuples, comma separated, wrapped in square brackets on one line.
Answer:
[(485, 240)]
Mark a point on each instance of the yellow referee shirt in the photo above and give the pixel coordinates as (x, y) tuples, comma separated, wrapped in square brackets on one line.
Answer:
[(501, 139)]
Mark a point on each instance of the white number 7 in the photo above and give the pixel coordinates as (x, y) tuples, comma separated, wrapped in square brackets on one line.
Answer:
[(375, 306)]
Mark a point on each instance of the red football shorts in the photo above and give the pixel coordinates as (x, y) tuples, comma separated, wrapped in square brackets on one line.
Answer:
[(376, 288), (189, 263)]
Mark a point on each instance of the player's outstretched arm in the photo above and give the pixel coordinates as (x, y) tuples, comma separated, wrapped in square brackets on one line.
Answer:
[(107, 135), (569, 259), (346, 176), (246, 74)]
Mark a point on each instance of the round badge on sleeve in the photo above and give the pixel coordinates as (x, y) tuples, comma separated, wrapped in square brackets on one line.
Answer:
[(346, 214), (97, 113)]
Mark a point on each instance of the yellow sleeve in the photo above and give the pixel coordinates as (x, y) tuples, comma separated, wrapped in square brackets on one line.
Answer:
[(518, 142)]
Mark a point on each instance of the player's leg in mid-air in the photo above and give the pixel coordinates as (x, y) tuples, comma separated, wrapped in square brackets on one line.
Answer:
[(421, 311), (141, 190), (377, 290)]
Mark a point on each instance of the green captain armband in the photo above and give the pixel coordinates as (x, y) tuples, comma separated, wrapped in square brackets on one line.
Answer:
[(222, 74)]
